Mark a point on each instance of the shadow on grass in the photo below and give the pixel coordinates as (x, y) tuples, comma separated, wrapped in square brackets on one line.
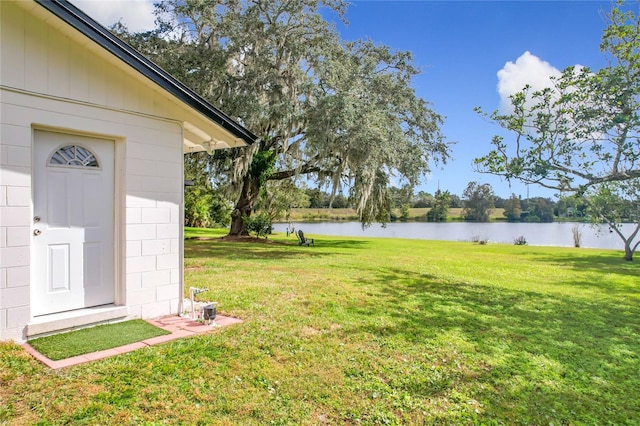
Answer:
[(275, 250), (522, 353), (603, 266)]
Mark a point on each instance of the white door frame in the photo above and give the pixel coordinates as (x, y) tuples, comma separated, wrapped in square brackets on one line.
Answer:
[(119, 206)]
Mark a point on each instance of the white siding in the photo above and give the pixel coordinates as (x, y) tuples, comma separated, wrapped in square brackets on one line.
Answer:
[(52, 81), (39, 58)]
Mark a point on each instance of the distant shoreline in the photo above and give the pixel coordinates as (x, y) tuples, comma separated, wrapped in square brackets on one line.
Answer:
[(415, 215)]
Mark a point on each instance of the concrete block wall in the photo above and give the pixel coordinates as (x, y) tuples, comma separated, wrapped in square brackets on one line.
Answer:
[(153, 225), (15, 210)]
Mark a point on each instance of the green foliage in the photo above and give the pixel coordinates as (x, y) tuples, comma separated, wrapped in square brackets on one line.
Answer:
[(279, 197), (320, 199), (572, 206), (512, 209), (422, 199), (582, 133), (196, 208), (404, 212), (315, 198), (440, 210), (456, 201), (342, 113), (204, 205), (205, 208), (619, 202), (541, 208), (262, 166), (479, 200), (615, 203), (258, 224), (220, 210), (400, 196)]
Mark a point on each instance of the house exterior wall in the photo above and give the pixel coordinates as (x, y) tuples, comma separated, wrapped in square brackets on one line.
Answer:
[(52, 81)]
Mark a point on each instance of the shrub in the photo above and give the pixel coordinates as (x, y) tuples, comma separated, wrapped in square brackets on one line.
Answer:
[(259, 224), (520, 241), (404, 212), (480, 239)]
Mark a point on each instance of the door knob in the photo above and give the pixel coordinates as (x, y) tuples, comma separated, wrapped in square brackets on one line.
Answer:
[(36, 219), (36, 232)]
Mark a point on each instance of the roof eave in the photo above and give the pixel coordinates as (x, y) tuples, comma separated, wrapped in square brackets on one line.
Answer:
[(100, 35)]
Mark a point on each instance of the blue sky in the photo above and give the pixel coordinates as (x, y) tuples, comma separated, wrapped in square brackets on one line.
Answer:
[(462, 45), (471, 53)]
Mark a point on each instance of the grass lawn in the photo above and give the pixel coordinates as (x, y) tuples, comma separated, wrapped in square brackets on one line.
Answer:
[(370, 331)]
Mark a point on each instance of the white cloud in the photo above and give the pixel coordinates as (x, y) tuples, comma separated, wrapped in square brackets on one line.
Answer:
[(528, 69), (137, 15)]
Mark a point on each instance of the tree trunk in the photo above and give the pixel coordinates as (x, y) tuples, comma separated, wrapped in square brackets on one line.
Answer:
[(628, 252), (244, 205)]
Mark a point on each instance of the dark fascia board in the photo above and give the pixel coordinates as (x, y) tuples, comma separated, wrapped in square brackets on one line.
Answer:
[(82, 22)]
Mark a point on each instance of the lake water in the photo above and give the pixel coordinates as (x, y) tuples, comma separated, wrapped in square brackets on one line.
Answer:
[(539, 234)]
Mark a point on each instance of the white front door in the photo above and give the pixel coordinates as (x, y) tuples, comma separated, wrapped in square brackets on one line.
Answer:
[(73, 224)]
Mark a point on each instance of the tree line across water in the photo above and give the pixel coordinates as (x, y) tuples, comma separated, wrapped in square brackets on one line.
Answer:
[(477, 203)]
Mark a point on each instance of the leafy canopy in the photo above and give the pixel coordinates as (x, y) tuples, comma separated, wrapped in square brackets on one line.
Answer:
[(581, 135), (479, 200), (342, 113)]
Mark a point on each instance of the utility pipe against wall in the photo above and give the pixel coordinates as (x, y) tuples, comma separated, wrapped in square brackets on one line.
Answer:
[(192, 295)]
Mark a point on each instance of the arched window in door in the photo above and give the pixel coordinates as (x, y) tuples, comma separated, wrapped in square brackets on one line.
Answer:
[(73, 156)]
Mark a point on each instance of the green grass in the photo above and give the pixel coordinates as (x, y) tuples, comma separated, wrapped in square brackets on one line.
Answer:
[(204, 233), (87, 340), (370, 331)]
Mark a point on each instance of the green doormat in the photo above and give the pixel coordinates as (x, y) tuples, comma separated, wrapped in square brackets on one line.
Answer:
[(87, 340)]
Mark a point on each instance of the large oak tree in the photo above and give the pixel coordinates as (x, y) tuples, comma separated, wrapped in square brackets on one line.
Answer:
[(342, 113)]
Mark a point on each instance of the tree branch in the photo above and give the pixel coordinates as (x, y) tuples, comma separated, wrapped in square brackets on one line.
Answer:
[(284, 174)]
